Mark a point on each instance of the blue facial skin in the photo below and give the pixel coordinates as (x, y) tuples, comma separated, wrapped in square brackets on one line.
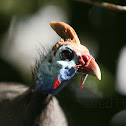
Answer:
[(48, 71), (44, 82)]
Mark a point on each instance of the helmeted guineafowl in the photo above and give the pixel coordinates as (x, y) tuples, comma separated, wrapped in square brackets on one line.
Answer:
[(36, 106)]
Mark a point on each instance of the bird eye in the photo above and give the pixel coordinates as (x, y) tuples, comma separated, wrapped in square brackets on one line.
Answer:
[(67, 54)]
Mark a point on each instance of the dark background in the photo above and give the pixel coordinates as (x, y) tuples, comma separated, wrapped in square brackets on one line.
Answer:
[(108, 29)]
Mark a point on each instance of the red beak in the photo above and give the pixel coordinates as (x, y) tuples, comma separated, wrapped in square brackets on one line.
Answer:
[(87, 65)]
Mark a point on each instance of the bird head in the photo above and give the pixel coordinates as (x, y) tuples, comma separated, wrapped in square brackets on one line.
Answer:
[(67, 58)]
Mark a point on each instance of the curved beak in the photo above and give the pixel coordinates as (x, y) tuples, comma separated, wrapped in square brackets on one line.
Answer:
[(87, 65), (91, 68), (94, 68)]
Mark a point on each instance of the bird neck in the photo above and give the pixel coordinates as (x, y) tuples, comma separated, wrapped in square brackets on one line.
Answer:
[(44, 81), (48, 72), (32, 103)]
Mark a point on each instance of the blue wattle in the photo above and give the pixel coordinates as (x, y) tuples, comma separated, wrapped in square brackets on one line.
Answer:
[(44, 82)]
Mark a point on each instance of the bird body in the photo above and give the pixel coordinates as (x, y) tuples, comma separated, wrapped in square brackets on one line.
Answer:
[(36, 106), (21, 106)]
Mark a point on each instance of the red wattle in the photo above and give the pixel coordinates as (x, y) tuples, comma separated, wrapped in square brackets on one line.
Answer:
[(81, 86), (83, 78), (56, 83), (82, 81)]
